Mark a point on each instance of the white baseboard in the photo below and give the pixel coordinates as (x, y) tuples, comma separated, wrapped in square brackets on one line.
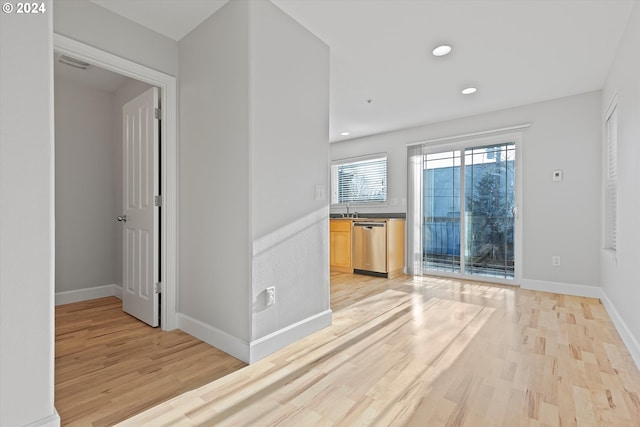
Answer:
[(562, 288), (67, 297), (262, 347), (630, 341), (215, 337), (621, 326), (50, 421)]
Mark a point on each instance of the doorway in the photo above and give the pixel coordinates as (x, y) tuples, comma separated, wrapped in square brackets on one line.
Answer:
[(168, 157), (465, 220), (469, 204)]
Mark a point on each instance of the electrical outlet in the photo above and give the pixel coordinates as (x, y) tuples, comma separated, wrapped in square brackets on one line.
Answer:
[(270, 296), (555, 260)]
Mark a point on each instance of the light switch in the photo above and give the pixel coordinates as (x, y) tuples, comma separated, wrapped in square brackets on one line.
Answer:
[(557, 175), (319, 190)]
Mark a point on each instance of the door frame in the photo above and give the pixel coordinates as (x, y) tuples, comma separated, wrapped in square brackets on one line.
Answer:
[(169, 158)]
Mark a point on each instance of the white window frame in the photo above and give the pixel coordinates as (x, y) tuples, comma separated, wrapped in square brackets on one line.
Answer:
[(358, 159)]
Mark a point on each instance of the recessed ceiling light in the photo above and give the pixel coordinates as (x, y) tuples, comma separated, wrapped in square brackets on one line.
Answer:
[(442, 50), (344, 133), (469, 90)]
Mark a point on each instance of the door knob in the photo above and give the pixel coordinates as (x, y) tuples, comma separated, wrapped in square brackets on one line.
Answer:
[(122, 218)]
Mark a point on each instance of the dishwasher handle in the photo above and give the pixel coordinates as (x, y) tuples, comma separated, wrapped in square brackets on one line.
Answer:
[(369, 225)]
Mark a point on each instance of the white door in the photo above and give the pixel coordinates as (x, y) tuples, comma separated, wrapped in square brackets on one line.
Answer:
[(140, 216)]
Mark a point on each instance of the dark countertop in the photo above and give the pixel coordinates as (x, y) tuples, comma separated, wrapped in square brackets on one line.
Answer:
[(362, 215)]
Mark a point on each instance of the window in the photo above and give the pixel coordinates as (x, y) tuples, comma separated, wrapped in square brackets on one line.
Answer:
[(359, 179), (611, 179)]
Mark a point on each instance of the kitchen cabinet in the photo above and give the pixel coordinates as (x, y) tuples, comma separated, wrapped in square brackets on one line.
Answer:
[(395, 246), (341, 245)]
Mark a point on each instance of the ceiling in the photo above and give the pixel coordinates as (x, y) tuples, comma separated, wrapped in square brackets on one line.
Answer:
[(172, 18), (384, 77)]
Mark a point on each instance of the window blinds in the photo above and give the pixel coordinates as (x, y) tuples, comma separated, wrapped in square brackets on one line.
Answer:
[(360, 180), (611, 185)]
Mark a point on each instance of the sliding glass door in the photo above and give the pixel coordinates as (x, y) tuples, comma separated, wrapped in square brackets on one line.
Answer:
[(489, 175), (441, 207), (468, 210)]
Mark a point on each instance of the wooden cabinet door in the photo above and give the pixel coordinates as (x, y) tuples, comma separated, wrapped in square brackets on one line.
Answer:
[(340, 246), (341, 249)]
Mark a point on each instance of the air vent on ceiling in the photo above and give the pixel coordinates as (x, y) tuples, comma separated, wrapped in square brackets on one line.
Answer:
[(72, 62)]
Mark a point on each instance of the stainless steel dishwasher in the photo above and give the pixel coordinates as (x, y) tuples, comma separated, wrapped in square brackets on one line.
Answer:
[(370, 248)]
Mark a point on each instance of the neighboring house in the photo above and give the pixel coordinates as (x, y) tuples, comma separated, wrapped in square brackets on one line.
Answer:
[(220, 276)]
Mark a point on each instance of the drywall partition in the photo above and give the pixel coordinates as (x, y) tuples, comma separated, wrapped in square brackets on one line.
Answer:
[(289, 83), (620, 268), (559, 218), (86, 229), (26, 220), (254, 146), (215, 197), (96, 26)]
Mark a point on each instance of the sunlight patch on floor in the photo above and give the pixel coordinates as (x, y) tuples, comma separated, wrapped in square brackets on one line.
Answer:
[(379, 354)]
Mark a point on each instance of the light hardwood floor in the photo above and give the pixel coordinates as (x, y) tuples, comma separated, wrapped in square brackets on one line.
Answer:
[(110, 366), (429, 351)]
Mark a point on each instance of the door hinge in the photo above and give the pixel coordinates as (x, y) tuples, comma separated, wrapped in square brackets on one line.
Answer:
[(159, 288), (157, 201), (156, 113)]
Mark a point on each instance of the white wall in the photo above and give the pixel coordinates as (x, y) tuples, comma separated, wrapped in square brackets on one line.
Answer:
[(558, 218), (620, 271), (254, 142), (86, 229), (215, 197), (290, 152), (26, 220), (91, 24)]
